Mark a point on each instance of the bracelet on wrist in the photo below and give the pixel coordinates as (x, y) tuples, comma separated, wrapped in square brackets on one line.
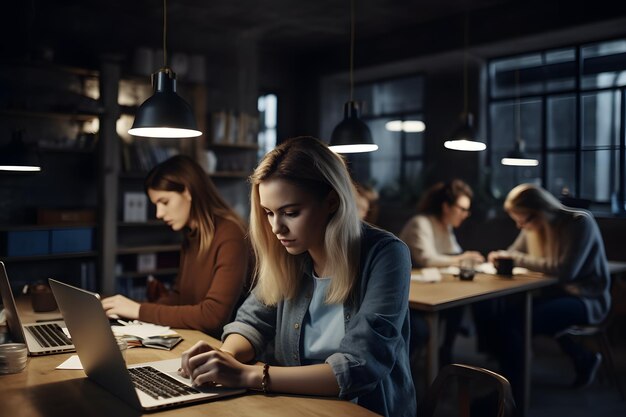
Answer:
[(265, 380)]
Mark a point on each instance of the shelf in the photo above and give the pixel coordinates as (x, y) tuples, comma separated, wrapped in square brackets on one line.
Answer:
[(10, 228), (59, 256), (83, 72), (234, 146), (148, 249), (156, 272), (49, 114), (149, 223)]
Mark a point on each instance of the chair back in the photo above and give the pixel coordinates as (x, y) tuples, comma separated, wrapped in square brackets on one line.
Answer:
[(465, 391)]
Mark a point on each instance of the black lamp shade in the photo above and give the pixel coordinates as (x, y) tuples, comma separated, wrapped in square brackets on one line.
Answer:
[(352, 135), (16, 156), (463, 138), (517, 157), (165, 114)]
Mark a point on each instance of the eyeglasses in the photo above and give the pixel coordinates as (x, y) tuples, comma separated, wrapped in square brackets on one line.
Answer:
[(463, 209)]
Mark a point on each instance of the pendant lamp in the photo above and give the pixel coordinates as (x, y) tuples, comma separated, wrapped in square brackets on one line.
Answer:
[(464, 137), (17, 157), (165, 114), (352, 135), (517, 157)]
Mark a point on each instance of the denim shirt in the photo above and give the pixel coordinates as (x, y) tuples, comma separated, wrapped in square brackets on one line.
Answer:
[(372, 363)]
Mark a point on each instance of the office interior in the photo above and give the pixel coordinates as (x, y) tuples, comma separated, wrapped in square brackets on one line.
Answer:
[(73, 72)]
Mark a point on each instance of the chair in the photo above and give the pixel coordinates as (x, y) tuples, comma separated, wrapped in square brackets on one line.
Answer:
[(598, 333), (464, 390)]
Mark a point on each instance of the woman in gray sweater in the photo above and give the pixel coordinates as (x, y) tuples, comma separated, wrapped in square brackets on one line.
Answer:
[(564, 243)]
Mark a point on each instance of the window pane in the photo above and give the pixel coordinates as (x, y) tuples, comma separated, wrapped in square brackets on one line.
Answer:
[(560, 69), (561, 172), (502, 134), (599, 174), (391, 96), (604, 64), (600, 114), (561, 121), (414, 140)]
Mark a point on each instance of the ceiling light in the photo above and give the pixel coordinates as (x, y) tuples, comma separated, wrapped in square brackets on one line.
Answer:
[(409, 126), (517, 157), (352, 135), (165, 114), (17, 157), (464, 137)]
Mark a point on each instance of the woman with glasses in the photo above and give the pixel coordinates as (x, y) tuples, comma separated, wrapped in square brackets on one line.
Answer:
[(564, 243), (430, 234), (430, 237)]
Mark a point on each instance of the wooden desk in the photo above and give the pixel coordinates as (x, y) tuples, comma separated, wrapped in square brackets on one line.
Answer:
[(40, 391), (431, 298)]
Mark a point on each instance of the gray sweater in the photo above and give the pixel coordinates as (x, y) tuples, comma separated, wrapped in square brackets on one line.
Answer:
[(580, 263)]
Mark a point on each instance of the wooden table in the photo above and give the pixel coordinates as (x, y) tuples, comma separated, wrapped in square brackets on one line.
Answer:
[(431, 298), (40, 391)]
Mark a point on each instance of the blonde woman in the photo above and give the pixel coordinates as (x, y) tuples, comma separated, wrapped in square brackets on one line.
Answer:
[(567, 244), (331, 292), (214, 255)]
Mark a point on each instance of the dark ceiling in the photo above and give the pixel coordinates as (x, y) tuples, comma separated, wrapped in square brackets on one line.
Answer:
[(389, 28)]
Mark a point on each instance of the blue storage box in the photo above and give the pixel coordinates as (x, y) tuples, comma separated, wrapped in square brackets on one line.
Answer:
[(27, 242), (71, 240)]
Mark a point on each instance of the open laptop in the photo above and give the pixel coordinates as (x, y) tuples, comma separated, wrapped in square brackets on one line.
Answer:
[(40, 338), (145, 386)]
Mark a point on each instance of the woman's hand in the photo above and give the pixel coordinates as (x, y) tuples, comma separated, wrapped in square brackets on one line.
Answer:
[(470, 254), (497, 254), (120, 306), (204, 364)]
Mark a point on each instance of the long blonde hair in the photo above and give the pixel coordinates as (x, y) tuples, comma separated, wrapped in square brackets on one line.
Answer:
[(532, 200), (180, 173), (308, 163)]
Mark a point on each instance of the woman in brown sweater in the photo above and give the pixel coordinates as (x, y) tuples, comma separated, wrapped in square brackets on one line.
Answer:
[(214, 254)]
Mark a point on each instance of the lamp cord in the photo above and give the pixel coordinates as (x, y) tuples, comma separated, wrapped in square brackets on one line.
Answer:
[(165, 33), (351, 50), (518, 109), (465, 57)]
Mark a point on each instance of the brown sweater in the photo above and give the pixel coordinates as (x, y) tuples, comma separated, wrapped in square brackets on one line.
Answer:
[(207, 288)]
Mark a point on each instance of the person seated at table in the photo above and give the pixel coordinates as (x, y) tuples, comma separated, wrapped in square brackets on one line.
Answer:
[(430, 237), (367, 203), (564, 243), (331, 292), (213, 259)]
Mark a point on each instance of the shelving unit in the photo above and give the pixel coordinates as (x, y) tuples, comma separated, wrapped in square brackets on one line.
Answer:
[(57, 108)]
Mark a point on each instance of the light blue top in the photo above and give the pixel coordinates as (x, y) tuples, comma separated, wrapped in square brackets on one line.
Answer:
[(372, 362), (323, 325)]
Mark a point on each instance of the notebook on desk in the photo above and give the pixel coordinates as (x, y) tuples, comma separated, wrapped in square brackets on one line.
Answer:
[(145, 386), (40, 338)]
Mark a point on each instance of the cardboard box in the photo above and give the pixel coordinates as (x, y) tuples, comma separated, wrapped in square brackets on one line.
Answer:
[(27, 243), (71, 240)]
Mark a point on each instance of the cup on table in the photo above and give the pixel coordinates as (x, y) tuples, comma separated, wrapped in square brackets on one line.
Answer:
[(504, 265), (467, 269), (13, 358)]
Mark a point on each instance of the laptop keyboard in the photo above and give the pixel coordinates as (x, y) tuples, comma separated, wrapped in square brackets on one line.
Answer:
[(49, 335), (158, 384)]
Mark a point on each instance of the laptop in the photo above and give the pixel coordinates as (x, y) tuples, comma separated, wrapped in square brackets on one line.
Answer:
[(43, 338), (145, 386)]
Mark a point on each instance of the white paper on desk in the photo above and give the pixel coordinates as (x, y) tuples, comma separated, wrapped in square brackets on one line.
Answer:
[(488, 268), (73, 362), (427, 275), (143, 330)]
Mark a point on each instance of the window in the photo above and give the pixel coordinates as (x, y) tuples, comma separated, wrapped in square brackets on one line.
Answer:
[(398, 160), (268, 116), (571, 110)]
